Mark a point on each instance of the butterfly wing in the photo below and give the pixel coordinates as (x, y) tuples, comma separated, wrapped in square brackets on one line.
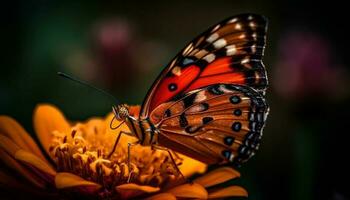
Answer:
[(218, 123), (229, 52)]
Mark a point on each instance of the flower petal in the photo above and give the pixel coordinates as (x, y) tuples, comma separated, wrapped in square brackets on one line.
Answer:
[(8, 145), (191, 166), (14, 184), (9, 181), (188, 190), (25, 173), (231, 191), (48, 118), (217, 176), (132, 190), (67, 180), (10, 128), (143, 188), (162, 196), (34, 161)]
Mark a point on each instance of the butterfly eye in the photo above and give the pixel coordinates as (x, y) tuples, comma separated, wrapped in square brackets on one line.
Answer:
[(120, 111)]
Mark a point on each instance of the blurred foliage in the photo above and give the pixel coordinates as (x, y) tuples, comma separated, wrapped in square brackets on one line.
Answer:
[(122, 46)]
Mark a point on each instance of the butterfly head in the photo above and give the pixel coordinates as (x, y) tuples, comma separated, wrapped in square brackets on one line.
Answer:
[(121, 111)]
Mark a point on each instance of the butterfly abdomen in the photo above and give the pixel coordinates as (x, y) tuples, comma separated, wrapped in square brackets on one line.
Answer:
[(144, 130)]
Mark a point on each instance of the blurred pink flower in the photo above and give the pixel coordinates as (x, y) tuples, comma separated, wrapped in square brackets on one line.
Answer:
[(306, 66), (122, 56), (113, 44)]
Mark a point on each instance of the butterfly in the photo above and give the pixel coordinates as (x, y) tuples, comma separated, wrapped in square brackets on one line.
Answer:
[(209, 101)]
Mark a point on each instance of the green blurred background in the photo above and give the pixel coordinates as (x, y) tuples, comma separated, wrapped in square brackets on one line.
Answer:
[(122, 46)]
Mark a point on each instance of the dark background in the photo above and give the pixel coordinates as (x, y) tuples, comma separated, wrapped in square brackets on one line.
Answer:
[(122, 46)]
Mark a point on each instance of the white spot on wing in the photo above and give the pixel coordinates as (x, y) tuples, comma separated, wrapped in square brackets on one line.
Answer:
[(254, 48), (200, 96), (195, 109), (250, 17), (242, 36), (173, 62), (252, 24), (224, 89), (255, 36), (231, 157), (212, 37), (238, 26), (231, 50), (201, 53), (188, 49), (245, 60), (176, 71), (209, 58), (232, 20), (216, 28), (219, 43), (257, 78)]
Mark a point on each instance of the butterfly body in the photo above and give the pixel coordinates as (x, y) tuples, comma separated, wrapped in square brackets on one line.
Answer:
[(209, 103)]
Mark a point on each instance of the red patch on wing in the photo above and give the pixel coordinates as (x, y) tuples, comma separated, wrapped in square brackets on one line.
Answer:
[(182, 80), (221, 65), (219, 71)]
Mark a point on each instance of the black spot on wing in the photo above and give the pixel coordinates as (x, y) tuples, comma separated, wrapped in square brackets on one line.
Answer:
[(235, 99), (215, 89), (237, 112), (256, 118), (226, 154), (236, 126), (188, 101), (206, 120), (167, 113), (229, 140), (183, 120), (202, 63), (250, 77)]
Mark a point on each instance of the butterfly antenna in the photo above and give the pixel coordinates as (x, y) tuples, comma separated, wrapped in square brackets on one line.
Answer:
[(64, 75)]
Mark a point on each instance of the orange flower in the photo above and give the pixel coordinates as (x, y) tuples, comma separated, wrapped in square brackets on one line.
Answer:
[(77, 163)]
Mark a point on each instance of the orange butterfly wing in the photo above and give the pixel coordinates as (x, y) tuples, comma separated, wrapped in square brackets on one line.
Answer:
[(229, 52), (218, 123)]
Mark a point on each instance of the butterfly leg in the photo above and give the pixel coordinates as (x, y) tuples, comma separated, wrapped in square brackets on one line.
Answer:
[(172, 160), (129, 166), (177, 157), (116, 142), (154, 147)]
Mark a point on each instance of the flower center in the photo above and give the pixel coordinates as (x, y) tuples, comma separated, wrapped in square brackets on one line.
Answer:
[(84, 152)]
